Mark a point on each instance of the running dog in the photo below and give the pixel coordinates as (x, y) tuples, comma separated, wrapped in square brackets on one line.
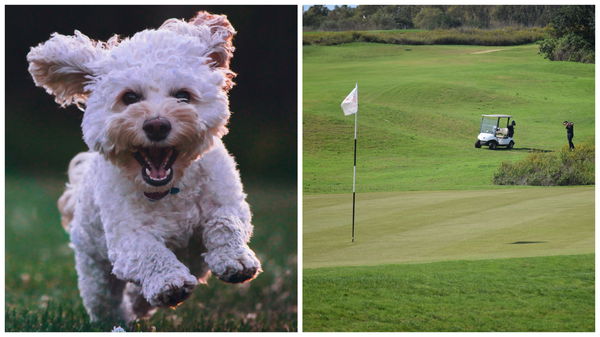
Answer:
[(156, 205)]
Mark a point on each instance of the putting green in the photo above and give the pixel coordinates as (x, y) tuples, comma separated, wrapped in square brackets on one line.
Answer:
[(424, 226)]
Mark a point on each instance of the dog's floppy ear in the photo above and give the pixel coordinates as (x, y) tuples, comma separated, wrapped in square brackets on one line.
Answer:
[(221, 36), (61, 66), (214, 32), (220, 47)]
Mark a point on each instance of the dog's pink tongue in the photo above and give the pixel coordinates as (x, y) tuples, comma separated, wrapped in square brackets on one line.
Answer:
[(158, 158), (157, 173)]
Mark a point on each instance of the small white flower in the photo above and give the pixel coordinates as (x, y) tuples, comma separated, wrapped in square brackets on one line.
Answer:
[(117, 329)]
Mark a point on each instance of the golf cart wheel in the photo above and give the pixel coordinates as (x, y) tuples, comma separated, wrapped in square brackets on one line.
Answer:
[(477, 144), (492, 145), (510, 145)]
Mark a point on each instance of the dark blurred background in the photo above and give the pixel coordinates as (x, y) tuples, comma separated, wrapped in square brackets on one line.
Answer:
[(41, 136), (40, 284)]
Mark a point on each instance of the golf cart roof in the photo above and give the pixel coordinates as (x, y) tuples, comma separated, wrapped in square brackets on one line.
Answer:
[(497, 116)]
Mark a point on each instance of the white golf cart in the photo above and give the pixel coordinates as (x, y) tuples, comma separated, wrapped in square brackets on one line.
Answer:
[(494, 132)]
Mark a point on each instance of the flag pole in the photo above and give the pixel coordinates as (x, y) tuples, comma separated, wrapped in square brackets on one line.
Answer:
[(354, 177)]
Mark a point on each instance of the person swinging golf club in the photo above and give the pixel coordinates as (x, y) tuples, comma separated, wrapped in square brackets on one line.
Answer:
[(570, 133)]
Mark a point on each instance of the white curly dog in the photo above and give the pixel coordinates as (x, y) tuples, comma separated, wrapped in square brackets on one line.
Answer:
[(157, 204)]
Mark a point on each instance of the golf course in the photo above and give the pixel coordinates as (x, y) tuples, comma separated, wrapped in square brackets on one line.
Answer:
[(438, 246)]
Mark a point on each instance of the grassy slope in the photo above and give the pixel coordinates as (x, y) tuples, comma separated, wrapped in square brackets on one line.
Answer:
[(41, 289), (420, 110), (553, 293), (447, 225)]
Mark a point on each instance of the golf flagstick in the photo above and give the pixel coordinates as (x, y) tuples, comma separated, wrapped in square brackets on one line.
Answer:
[(354, 176), (350, 106)]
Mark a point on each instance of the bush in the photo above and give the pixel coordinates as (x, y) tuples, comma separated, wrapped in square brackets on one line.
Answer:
[(329, 38), (570, 47), (460, 36), (550, 169), (571, 35)]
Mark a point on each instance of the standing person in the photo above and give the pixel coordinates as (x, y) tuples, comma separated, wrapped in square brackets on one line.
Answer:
[(511, 129), (569, 126)]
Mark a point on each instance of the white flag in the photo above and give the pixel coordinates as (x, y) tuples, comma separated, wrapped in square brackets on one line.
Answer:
[(350, 103)]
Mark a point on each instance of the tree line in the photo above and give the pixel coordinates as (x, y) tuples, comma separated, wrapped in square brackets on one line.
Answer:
[(572, 35), (372, 17), (570, 29)]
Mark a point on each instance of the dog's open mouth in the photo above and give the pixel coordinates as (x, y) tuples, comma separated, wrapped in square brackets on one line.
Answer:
[(156, 164)]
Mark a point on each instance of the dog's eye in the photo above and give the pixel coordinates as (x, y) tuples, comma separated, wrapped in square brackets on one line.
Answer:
[(182, 96), (130, 97)]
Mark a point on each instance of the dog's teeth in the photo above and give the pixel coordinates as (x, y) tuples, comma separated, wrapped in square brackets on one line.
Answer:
[(148, 172), (168, 172), (167, 157)]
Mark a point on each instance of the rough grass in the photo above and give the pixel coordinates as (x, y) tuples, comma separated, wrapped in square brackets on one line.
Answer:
[(41, 289), (420, 109), (551, 169), (554, 293), (461, 36)]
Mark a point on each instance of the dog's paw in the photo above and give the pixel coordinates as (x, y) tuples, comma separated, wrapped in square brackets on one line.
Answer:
[(170, 290), (233, 265)]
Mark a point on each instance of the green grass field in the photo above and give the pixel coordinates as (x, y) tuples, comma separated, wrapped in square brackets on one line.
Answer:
[(420, 110), (41, 285), (438, 246), (553, 293)]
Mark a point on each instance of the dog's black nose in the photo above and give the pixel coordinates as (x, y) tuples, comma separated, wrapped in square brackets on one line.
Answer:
[(157, 129)]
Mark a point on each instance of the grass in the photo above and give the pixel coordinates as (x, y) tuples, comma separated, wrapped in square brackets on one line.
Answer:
[(41, 288), (461, 36), (554, 293), (440, 247), (426, 226), (420, 110)]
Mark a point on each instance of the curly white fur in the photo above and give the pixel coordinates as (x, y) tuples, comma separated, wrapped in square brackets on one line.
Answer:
[(139, 245)]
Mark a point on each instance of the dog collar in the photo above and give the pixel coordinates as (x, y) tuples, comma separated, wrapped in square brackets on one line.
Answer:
[(156, 196)]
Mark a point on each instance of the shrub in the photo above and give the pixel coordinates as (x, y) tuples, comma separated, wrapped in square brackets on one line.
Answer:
[(329, 38), (550, 169), (570, 47), (571, 35), (460, 36)]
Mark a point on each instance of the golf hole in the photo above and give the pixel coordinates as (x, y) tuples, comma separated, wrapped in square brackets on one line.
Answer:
[(526, 242)]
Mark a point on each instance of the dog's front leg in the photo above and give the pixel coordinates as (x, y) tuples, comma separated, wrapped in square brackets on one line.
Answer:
[(141, 257), (228, 256), (228, 225)]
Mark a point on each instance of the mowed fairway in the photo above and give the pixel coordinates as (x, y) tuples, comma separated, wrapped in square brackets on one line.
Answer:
[(409, 227), (438, 246), (420, 108)]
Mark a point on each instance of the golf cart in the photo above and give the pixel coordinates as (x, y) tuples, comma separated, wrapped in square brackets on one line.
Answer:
[(494, 132)]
